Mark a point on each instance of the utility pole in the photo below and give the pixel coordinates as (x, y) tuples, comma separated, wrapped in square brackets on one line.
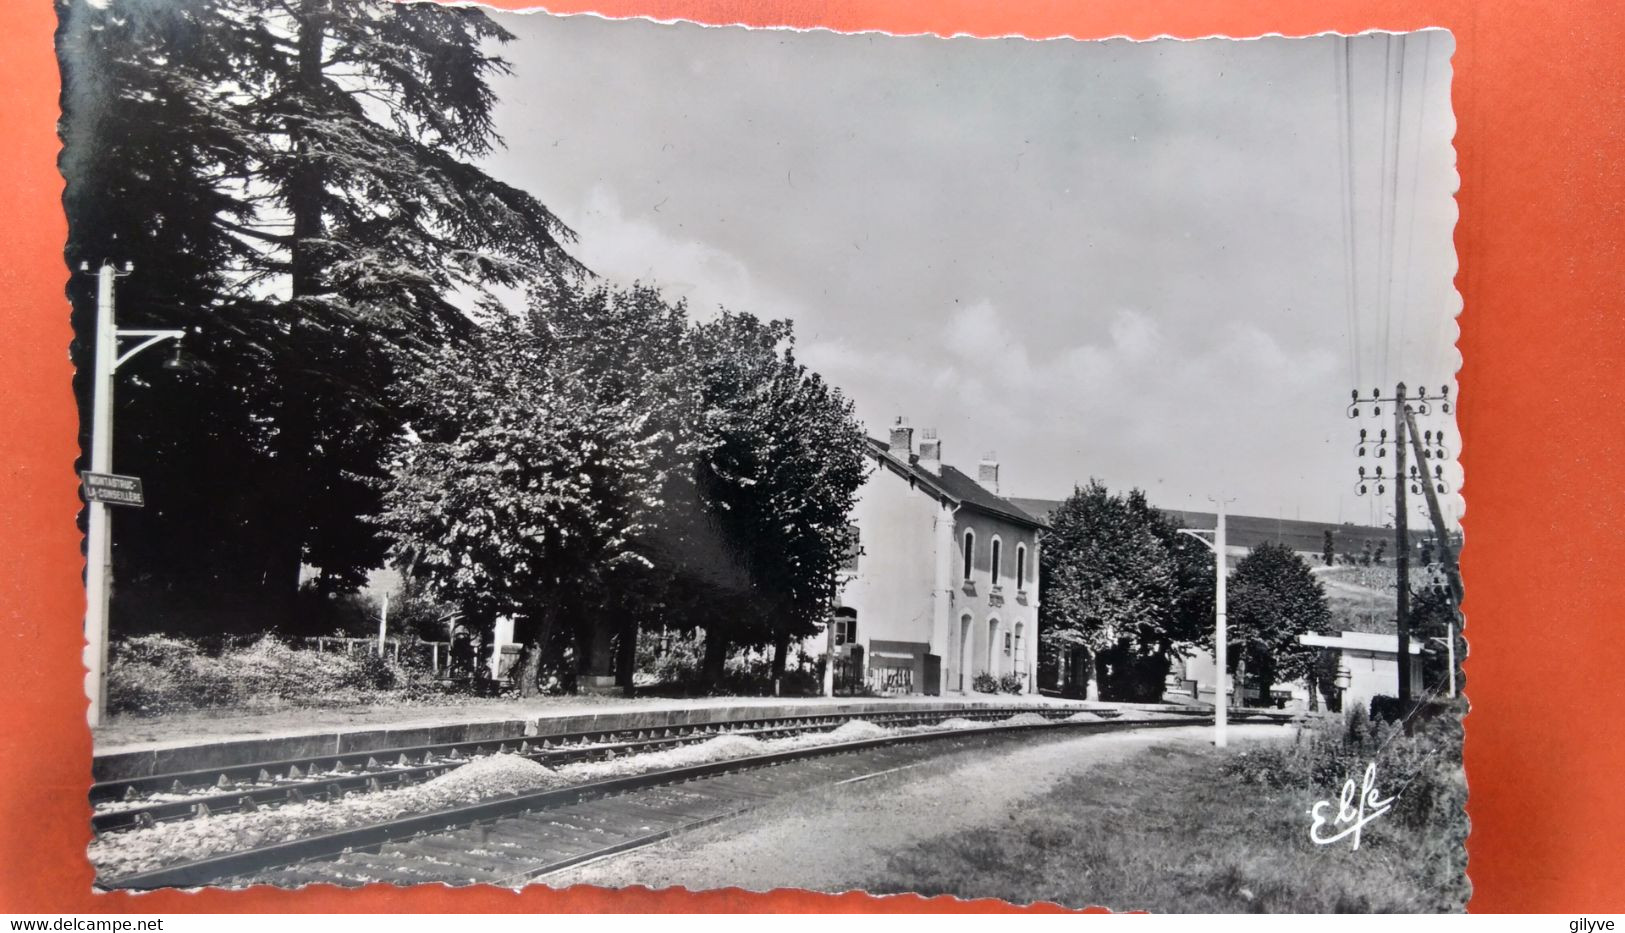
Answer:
[(1221, 633), (1406, 407), (99, 543), (1402, 552), (1431, 486), (99, 546)]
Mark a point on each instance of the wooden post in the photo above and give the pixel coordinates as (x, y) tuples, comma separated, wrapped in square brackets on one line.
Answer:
[(1402, 552)]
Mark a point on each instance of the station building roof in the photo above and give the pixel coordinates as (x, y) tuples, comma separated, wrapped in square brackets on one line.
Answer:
[(949, 483)]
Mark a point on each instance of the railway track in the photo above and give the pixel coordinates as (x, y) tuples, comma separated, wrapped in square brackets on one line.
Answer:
[(144, 801), (511, 839)]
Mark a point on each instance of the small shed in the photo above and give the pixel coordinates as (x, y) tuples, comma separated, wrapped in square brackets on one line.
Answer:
[(1367, 664)]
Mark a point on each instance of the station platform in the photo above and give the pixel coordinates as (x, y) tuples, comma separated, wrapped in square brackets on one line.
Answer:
[(191, 745)]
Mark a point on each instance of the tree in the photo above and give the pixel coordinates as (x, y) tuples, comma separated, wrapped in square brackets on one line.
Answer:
[(780, 466), (1433, 616), (1273, 598), (521, 487), (1120, 581), (1328, 551), (295, 180)]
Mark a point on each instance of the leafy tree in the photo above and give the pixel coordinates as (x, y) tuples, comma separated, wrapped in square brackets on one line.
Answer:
[(295, 180), (1120, 581), (1273, 598), (1328, 551), (1432, 613), (781, 464), (521, 487)]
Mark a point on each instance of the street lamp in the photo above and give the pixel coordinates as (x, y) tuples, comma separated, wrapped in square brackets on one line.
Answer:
[(1221, 644), (102, 489)]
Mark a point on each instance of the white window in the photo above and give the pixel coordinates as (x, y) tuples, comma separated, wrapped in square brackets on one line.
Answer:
[(846, 627)]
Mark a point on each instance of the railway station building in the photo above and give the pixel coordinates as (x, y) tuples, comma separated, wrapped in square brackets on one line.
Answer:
[(944, 583)]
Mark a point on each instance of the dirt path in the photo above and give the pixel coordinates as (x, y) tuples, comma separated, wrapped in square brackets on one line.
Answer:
[(837, 838)]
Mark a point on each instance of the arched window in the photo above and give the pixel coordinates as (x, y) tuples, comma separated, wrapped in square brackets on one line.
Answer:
[(846, 626), (970, 551), (1021, 566), (997, 547)]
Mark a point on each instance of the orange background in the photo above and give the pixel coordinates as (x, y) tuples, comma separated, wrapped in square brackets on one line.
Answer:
[(1540, 102)]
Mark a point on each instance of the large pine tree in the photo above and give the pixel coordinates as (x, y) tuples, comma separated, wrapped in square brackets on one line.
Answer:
[(295, 180)]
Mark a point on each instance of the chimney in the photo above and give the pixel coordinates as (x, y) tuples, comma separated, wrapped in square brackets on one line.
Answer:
[(902, 440), (931, 451), (987, 472)]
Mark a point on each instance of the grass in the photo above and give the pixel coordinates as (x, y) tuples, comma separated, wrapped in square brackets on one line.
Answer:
[(1169, 830)]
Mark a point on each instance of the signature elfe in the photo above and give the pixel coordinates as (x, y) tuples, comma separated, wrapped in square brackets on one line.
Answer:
[(1353, 812)]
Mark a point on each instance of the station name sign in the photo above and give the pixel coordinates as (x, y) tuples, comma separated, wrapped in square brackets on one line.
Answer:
[(113, 489)]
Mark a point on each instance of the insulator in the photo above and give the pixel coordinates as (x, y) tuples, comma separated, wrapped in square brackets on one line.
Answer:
[(1447, 408), (1444, 391), (1362, 434), (1415, 490), (1438, 471), (1376, 410), (1384, 433), (1381, 452), (1362, 452), (1362, 471), (1379, 471), (1355, 394), (1381, 489), (1376, 393), (1441, 487)]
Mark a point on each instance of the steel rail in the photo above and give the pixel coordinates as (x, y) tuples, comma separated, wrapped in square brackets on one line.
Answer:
[(247, 862), (253, 784)]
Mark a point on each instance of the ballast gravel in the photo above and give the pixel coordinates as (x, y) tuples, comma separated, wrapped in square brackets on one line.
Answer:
[(144, 849)]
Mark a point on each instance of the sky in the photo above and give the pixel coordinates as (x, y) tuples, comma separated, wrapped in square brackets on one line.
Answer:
[(1161, 264)]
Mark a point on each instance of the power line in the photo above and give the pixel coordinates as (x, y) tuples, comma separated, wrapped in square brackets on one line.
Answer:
[(1344, 65)]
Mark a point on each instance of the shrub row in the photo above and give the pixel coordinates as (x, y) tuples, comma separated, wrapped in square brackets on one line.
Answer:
[(153, 674)]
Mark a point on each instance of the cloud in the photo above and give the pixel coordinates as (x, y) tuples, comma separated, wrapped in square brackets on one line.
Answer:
[(625, 248)]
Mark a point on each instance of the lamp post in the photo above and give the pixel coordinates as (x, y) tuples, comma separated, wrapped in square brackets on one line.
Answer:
[(1221, 643), (99, 546)]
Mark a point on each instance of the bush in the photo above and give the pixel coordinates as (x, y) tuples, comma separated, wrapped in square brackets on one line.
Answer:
[(1386, 708), (984, 682), (154, 674), (1012, 683), (1422, 771)]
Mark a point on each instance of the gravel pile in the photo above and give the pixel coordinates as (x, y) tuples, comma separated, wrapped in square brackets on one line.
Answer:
[(1084, 717), (958, 722), (855, 730), (721, 748), (1024, 719)]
